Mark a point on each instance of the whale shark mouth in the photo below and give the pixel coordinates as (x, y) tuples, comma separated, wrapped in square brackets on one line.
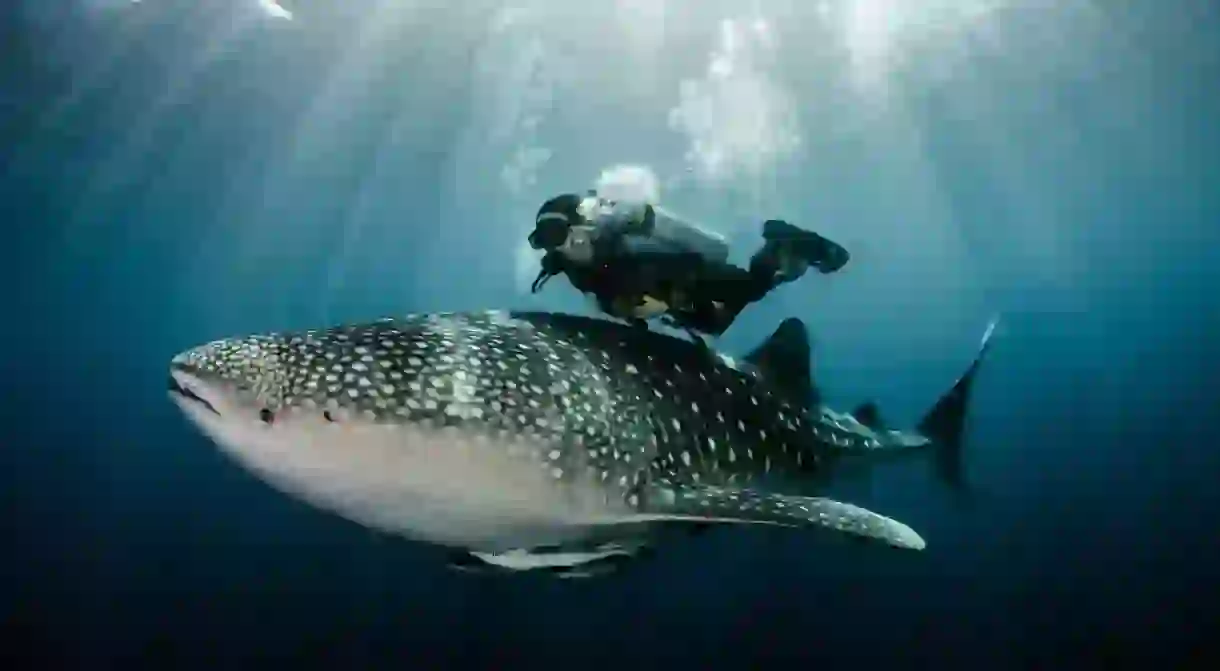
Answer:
[(180, 390)]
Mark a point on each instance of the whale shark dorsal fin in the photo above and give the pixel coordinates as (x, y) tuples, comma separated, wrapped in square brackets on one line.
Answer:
[(868, 414), (785, 360)]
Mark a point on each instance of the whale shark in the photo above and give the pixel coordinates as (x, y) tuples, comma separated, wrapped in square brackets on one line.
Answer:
[(534, 440)]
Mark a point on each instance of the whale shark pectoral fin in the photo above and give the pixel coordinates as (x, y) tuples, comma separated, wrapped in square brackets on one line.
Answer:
[(706, 504)]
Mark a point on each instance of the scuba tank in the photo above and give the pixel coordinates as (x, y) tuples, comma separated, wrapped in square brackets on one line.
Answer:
[(653, 227), (682, 233)]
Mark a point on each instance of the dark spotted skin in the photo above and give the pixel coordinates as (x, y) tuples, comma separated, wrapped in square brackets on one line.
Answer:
[(711, 422), (669, 428), (622, 405)]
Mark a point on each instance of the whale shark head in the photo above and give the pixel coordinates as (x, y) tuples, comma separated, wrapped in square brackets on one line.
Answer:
[(388, 425)]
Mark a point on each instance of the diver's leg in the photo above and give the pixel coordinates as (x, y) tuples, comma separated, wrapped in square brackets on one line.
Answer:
[(720, 316), (720, 293)]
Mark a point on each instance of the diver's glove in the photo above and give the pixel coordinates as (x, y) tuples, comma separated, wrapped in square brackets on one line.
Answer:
[(551, 266), (540, 281)]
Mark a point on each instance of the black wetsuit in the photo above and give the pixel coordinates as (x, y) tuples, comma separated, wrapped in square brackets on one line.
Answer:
[(710, 294), (718, 293), (701, 295)]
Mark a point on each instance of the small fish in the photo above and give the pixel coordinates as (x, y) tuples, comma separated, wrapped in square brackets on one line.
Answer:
[(532, 440)]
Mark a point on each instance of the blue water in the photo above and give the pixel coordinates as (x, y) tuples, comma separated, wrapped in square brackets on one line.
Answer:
[(172, 172)]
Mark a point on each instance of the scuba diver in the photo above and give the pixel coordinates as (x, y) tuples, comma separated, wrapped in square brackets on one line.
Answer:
[(640, 262)]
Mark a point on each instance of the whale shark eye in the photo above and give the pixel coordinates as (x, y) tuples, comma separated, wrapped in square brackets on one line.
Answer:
[(266, 415)]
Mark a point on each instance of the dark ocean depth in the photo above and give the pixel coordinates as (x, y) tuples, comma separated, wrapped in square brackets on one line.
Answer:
[(173, 172)]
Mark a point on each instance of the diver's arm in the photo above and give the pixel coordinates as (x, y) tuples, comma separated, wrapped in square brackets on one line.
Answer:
[(552, 265)]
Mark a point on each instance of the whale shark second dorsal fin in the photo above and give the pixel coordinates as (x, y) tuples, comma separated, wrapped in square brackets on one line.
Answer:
[(785, 360)]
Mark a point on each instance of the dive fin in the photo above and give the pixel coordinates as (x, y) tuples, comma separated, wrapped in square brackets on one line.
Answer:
[(702, 504), (946, 421), (785, 360), (868, 414)]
